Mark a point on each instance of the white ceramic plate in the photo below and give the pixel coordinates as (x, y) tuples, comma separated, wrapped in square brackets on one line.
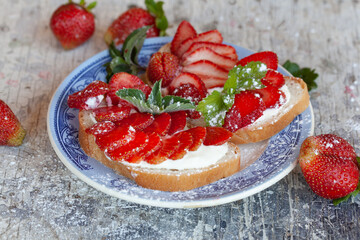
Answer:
[(277, 158)]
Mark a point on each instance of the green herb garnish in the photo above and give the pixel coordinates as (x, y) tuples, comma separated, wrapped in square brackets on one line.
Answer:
[(308, 75), (240, 78), (155, 103), (126, 59)]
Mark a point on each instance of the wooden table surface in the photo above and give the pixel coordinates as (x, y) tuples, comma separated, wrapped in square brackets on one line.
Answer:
[(41, 199)]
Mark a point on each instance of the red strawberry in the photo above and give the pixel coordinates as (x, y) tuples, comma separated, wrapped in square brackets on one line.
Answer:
[(329, 166), (247, 108), (127, 151), (73, 24), (160, 125), (178, 122), (139, 121), (90, 97), (186, 79), (125, 80), (112, 113), (129, 21), (165, 66), (219, 48), (216, 136), (119, 136), (205, 53), (212, 82), (273, 78), (153, 144), (206, 68), (267, 57), (271, 96), (101, 128), (185, 141), (210, 36), (11, 131), (184, 31), (168, 146), (198, 136)]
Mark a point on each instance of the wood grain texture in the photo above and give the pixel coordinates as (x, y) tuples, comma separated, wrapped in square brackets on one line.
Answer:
[(41, 199)]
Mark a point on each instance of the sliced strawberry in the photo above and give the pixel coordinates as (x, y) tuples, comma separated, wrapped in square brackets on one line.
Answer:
[(216, 136), (125, 80), (188, 78), (118, 137), (271, 96), (160, 125), (210, 36), (205, 53), (112, 113), (206, 68), (267, 57), (101, 128), (212, 82), (90, 97), (185, 141), (193, 114), (247, 107), (168, 147), (198, 136), (273, 78), (153, 144), (219, 48), (184, 31), (139, 121), (178, 122), (165, 66), (127, 151)]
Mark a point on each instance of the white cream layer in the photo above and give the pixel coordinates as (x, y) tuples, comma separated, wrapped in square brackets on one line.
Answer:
[(204, 157)]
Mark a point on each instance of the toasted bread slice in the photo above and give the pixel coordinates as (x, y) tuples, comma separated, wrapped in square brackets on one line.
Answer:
[(160, 179)]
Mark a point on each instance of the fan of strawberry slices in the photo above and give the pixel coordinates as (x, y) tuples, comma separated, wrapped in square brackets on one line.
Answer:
[(142, 125)]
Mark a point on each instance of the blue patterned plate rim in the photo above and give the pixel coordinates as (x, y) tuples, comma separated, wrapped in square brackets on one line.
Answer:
[(278, 159)]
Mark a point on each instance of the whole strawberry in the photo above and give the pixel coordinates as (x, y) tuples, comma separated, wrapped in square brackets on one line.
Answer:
[(135, 18), (73, 24), (11, 131), (330, 167)]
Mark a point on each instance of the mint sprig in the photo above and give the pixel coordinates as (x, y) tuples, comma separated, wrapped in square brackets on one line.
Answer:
[(126, 59), (308, 75), (155, 103), (240, 78), (156, 8)]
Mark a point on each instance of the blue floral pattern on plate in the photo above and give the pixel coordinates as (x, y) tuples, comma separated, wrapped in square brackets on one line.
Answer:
[(276, 162)]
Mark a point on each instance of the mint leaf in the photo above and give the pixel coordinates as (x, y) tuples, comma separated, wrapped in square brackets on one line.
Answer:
[(213, 109), (155, 103), (155, 95), (133, 43), (308, 75), (245, 77)]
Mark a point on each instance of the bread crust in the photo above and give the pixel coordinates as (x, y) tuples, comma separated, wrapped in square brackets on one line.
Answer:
[(160, 179), (252, 133)]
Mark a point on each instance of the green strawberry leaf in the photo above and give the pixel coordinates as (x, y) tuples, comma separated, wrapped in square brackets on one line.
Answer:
[(213, 109), (113, 51), (245, 77), (308, 75), (91, 6), (156, 8)]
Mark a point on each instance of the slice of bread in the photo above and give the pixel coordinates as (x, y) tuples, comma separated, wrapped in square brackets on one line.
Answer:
[(160, 179)]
